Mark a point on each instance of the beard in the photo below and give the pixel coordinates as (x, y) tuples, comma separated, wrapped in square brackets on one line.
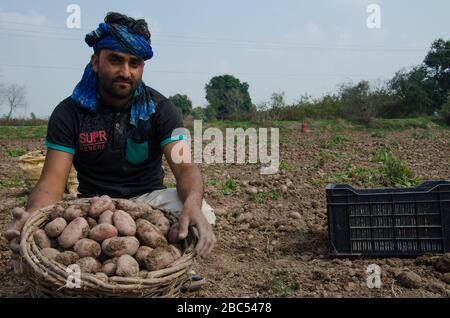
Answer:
[(118, 87)]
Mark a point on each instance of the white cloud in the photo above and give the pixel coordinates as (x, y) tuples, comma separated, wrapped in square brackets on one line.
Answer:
[(16, 18)]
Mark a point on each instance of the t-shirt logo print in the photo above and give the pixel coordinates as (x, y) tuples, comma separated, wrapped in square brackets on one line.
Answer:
[(93, 141)]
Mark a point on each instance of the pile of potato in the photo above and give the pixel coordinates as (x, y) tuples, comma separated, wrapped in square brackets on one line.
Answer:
[(110, 238)]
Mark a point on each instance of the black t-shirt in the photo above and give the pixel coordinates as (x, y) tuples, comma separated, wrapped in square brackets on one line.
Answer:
[(111, 155)]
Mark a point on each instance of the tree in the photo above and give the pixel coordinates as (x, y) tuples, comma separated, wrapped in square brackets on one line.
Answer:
[(355, 99), (437, 62), (227, 97), (277, 100), (413, 88), (198, 113), (210, 113), (14, 96), (445, 111), (182, 103)]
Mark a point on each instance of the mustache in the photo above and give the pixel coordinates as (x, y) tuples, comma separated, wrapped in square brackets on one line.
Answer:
[(123, 79)]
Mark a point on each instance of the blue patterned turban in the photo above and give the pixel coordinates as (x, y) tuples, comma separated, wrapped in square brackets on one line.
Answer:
[(116, 37)]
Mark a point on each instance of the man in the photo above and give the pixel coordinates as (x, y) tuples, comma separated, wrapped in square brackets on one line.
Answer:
[(114, 130)]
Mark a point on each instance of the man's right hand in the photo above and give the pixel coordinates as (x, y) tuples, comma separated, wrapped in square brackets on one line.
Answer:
[(12, 234)]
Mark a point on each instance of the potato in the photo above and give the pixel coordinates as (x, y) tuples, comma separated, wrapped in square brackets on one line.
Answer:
[(127, 266), (14, 244), (66, 258), (76, 230), (157, 218), (20, 216), (87, 248), (160, 258), (142, 253), (92, 223), (149, 234), (72, 212), (94, 199), (99, 205), (102, 232), (85, 208), (41, 239), (144, 207), (124, 223), (57, 212), (50, 253), (55, 227), (109, 267), (126, 205), (102, 277), (172, 236), (118, 246), (136, 209), (89, 265), (135, 214), (112, 207), (106, 217)]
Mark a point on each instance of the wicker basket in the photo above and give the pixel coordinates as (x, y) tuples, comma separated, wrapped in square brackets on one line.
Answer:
[(48, 278)]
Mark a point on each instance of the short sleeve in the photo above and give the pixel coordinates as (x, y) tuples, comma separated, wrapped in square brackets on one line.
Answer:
[(60, 131), (168, 124)]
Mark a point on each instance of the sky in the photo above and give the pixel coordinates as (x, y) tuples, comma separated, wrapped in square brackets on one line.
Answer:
[(294, 46)]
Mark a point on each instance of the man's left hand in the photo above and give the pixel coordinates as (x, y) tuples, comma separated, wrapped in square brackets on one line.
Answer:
[(207, 239)]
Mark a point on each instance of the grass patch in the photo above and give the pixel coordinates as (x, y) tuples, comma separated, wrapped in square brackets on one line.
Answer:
[(22, 132), (393, 171), (390, 172), (228, 187), (15, 181), (274, 195), (423, 135), (402, 123), (325, 156), (259, 197), (331, 125), (365, 175), (284, 165), (328, 155), (381, 155), (211, 183), (305, 142), (335, 141), (21, 201), (171, 184), (378, 134), (16, 152), (283, 285)]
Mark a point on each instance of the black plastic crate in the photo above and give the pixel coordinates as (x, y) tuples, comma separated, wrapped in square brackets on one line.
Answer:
[(389, 222)]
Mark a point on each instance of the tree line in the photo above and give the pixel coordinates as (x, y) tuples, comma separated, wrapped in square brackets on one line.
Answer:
[(422, 90)]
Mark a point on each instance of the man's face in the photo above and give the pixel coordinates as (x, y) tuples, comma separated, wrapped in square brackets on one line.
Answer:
[(118, 73)]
